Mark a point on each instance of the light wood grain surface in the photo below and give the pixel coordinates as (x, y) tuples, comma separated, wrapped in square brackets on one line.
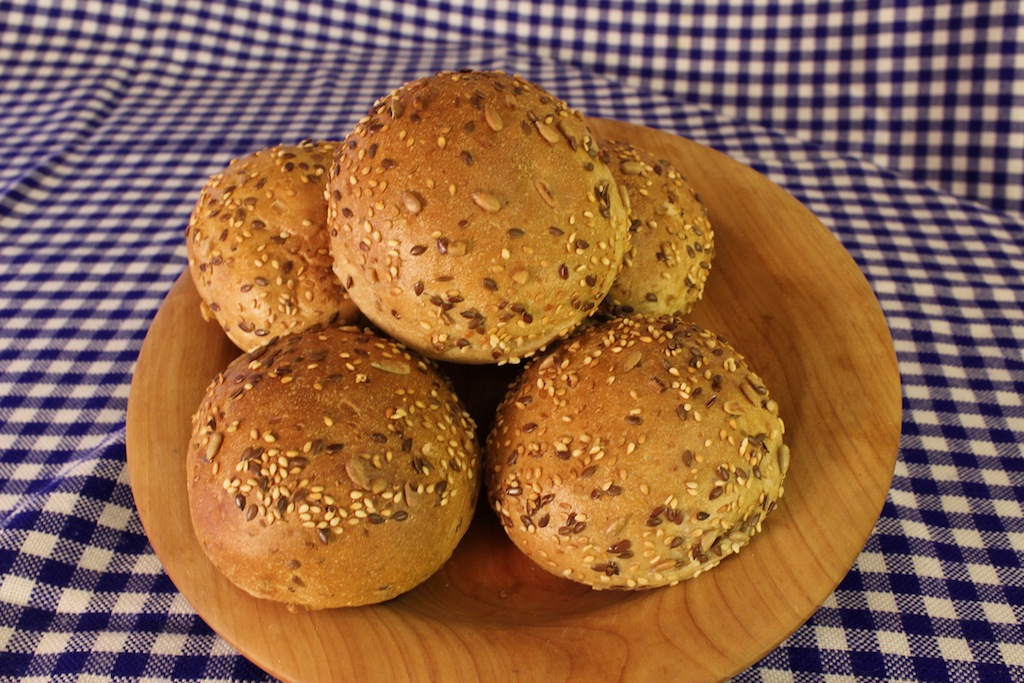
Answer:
[(783, 290)]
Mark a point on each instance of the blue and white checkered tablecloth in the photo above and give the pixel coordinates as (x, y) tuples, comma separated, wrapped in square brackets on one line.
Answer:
[(900, 123)]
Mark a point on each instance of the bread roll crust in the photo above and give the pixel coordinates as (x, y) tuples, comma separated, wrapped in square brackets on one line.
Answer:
[(472, 218), (637, 454), (672, 243), (330, 468), (258, 249)]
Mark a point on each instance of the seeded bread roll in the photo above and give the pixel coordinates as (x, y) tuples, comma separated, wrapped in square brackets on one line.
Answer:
[(258, 248), (671, 242), (330, 468), (472, 218), (636, 454)]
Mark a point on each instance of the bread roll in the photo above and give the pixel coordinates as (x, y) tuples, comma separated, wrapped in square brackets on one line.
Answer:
[(258, 248), (637, 454), (472, 218), (671, 242), (329, 468)]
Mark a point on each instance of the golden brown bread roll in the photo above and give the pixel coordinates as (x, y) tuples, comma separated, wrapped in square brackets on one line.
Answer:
[(472, 218), (671, 242), (331, 467), (636, 454), (258, 248)]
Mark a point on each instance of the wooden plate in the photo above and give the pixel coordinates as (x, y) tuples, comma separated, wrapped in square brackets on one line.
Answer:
[(783, 291)]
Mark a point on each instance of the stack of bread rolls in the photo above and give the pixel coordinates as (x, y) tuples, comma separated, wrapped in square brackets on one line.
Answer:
[(469, 292)]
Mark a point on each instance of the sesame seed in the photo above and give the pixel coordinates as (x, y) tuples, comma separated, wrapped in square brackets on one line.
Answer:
[(544, 190)]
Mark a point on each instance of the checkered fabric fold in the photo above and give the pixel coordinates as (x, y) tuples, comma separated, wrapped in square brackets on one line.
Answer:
[(898, 123)]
